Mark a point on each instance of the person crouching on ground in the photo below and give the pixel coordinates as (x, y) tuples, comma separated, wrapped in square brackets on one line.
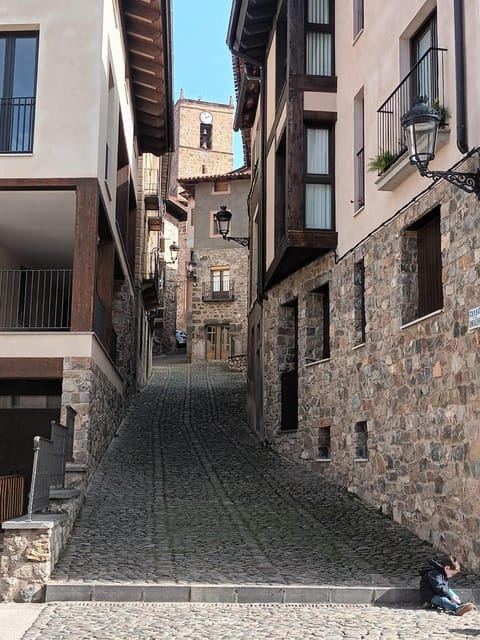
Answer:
[(434, 588)]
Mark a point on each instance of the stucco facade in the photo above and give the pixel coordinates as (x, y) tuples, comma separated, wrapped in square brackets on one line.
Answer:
[(77, 288)]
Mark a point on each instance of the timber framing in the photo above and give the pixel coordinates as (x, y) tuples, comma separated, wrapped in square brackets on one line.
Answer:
[(147, 35)]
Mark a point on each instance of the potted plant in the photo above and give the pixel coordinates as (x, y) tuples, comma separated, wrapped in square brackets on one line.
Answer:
[(381, 161)]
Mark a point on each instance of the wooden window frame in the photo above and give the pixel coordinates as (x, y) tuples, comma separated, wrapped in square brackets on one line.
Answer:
[(320, 178), (315, 27)]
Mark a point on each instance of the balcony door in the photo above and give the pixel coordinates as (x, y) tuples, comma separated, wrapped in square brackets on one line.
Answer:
[(18, 78), (425, 76), (216, 341)]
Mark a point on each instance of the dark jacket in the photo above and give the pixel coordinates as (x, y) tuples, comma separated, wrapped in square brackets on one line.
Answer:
[(434, 581)]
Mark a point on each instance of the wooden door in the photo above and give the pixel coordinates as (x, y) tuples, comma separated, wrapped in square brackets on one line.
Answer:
[(217, 342)]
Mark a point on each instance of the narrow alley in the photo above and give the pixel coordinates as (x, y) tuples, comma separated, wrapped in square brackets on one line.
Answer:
[(186, 494)]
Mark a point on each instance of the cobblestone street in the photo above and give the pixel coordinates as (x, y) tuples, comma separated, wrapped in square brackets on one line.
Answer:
[(111, 621), (186, 494)]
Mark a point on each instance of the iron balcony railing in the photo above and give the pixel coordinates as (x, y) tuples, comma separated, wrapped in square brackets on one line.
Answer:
[(35, 300), (427, 79), (211, 293), (150, 182), (17, 116)]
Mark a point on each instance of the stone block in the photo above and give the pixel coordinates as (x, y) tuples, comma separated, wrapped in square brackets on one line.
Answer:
[(260, 594), (208, 593), (68, 592), (351, 595), (306, 595), (117, 593), (166, 593), (396, 595)]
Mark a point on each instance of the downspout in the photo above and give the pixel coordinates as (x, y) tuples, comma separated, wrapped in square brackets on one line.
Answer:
[(460, 88)]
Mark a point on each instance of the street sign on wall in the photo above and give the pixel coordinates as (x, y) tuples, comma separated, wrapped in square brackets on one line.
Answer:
[(474, 318)]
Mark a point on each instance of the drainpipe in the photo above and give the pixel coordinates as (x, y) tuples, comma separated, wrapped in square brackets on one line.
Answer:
[(458, 9)]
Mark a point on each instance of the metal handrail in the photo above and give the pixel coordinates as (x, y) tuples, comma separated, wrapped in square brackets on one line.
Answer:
[(150, 182), (17, 115), (48, 466), (209, 295), (35, 299), (426, 78)]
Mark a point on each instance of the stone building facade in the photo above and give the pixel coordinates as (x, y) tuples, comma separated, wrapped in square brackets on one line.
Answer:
[(217, 286), (395, 417), (195, 155), (363, 357)]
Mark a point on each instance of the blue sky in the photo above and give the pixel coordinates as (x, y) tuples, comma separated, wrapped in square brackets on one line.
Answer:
[(202, 63)]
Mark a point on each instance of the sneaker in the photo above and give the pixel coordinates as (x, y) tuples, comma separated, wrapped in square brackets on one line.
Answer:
[(465, 608)]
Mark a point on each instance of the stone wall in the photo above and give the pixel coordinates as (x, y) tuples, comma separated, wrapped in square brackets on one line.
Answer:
[(410, 392), (99, 409), (32, 548), (213, 312)]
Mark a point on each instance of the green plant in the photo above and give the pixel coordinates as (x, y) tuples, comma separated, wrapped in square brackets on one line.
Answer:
[(381, 162), (442, 111)]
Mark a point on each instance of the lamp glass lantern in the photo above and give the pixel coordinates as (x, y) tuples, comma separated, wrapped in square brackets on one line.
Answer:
[(174, 249), (420, 125), (222, 219)]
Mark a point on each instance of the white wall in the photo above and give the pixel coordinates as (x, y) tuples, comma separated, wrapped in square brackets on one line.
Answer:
[(72, 86), (377, 61)]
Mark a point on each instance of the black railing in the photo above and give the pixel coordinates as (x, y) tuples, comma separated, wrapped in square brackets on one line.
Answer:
[(426, 78), (213, 294), (17, 116), (360, 173), (48, 466), (38, 299), (150, 182)]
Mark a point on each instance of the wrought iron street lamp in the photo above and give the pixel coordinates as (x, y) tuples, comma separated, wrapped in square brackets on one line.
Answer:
[(222, 220), (420, 125), (174, 249)]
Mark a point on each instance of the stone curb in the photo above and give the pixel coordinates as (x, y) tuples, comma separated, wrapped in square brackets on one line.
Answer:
[(242, 594)]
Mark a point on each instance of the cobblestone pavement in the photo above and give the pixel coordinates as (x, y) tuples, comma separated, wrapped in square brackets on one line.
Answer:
[(185, 493), (241, 622)]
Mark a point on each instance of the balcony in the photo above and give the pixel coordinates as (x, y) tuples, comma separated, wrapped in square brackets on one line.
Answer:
[(212, 294), (426, 78), (151, 189), (35, 300), (16, 124), (152, 283)]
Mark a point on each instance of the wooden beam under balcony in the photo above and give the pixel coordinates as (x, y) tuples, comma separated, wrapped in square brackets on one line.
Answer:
[(297, 249)]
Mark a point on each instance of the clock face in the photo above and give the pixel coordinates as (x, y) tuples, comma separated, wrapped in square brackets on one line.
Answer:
[(206, 117)]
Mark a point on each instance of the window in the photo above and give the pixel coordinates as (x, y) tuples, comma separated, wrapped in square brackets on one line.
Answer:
[(280, 189), (213, 226), (422, 267), (220, 281), (281, 53), (317, 324), (424, 65), (357, 17), (319, 30), (205, 136), (221, 186), (359, 301), (361, 441), (359, 138), (323, 444), (318, 178), (18, 78)]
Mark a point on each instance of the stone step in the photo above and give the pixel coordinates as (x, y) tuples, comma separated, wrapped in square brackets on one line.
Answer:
[(234, 593)]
